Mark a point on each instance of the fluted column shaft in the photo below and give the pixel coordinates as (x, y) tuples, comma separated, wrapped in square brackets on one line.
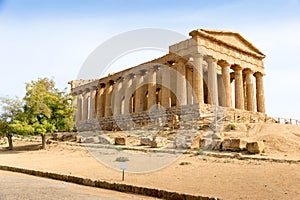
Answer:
[(100, 101), (260, 96), (181, 83), (92, 103), (221, 91), (166, 86), (249, 90), (139, 99), (189, 83), (86, 105), (79, 108), (108, 94), (152, 88), (212, 80), (118, 95), (239, 90), (74, 104), (198, 79), (127, 89), (227, 85)]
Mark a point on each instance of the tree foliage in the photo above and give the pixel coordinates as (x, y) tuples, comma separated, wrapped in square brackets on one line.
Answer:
[(44, 109), (11, 109)]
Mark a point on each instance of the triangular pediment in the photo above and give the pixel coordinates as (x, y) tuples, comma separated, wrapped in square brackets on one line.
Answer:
[(231, 39)]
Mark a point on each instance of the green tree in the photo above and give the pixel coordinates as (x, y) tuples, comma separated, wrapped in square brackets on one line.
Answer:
[(46, 109), (11, 110)]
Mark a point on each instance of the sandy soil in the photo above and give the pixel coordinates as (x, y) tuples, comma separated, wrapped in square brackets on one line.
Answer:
[(202, 175)]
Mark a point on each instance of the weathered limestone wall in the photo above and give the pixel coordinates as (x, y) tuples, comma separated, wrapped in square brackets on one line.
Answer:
[(186, 117)]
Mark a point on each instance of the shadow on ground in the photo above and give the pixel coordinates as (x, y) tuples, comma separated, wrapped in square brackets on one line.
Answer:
[(21, 148)]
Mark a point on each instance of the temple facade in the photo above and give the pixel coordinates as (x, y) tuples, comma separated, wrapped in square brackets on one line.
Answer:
[(210, 69)]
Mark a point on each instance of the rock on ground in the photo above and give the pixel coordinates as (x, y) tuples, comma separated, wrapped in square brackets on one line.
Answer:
[(120, 141), (158, 142), (233, 144), (255, 147)]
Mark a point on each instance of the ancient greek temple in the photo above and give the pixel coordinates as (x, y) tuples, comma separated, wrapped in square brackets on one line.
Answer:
[(211, 68)]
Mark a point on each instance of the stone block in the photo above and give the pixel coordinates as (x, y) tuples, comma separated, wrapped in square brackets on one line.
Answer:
[(209, 144), (182, 142), (90, 139), (233, 144), (120, 141), (255, 147), (158, 142), (146, 141), (104, 139), (196, 142)]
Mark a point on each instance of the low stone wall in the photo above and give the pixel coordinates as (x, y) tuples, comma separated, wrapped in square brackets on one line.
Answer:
[(152, 192), (185, 116)]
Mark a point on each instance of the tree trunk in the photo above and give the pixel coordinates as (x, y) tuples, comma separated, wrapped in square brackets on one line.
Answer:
[(10, 142), (43, 141)]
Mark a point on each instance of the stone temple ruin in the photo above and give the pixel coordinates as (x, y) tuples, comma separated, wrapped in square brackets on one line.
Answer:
[(211, 77)]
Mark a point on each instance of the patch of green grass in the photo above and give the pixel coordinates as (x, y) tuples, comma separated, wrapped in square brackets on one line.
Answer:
[(232, 126), (199, 152)]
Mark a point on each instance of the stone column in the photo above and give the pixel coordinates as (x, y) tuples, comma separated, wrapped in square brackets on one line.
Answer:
[(129, 87), (189, 83), (198, 79), (118, 95), (249, 90), (260, 96), (239, 92), (128, 90), (166, 87), (181, 83), (139, 92), (212, 80), (221, 91), (92, 103), (74, 104), (100, 101), (108, 93), (227, 84), (79, 107), (86, 95), (152, 87)]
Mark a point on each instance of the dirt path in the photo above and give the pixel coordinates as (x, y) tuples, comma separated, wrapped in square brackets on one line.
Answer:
[(15, 186)]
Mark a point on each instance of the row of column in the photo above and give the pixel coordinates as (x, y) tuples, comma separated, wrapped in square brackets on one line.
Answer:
[(188, 86), (222, 91), (84, 102)]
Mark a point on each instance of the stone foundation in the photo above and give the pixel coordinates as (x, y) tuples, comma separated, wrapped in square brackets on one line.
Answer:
[(184, 117)]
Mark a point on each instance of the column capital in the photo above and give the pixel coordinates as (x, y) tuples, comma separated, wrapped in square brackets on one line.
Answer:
[(180, 60), (110, 82), (198, 55), (223, 63), (210, 58), (142, 72), (131, 75), (248, 71), (236, 67), (94, 87), (258, 74), (87, 90)]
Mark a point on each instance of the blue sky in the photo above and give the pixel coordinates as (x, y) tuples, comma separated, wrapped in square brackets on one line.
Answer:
[(53, 38)]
